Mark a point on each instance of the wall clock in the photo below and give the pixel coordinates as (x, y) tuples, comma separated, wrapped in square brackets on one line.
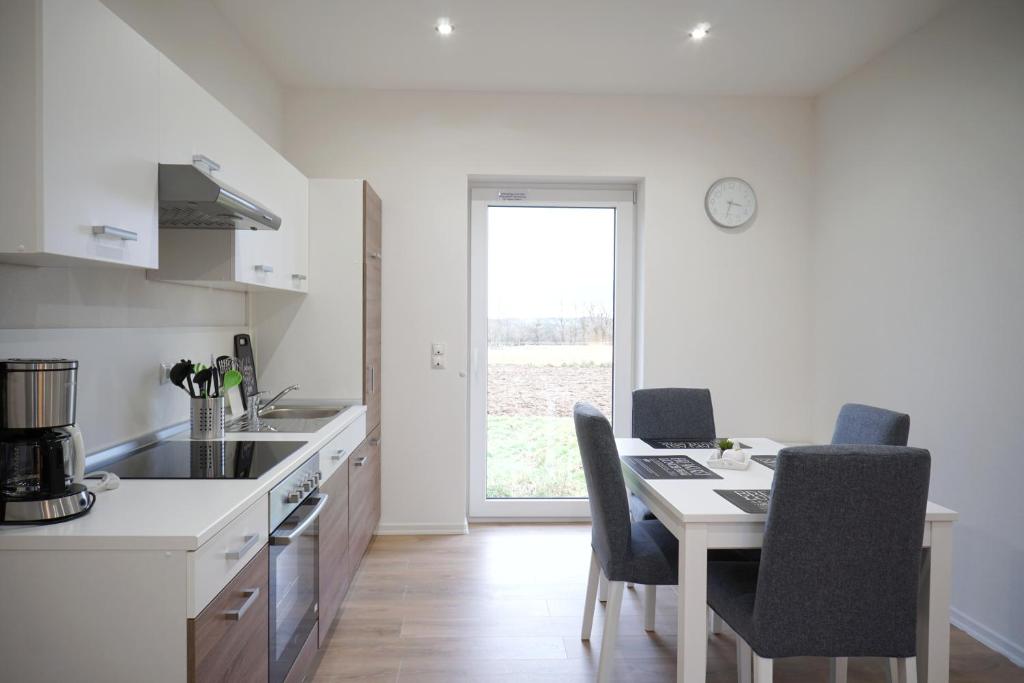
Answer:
[(730, 202)]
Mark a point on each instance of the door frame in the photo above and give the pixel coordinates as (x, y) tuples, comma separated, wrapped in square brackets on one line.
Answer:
[(622, 198)]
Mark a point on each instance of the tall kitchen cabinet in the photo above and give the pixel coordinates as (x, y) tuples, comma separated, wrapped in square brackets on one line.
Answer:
[(329, 342), (78, 136)]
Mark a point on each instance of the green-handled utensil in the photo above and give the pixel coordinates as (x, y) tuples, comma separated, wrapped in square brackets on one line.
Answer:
[(232, 378)]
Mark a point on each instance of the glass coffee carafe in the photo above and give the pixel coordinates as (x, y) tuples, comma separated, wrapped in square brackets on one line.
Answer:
[(42, 456)]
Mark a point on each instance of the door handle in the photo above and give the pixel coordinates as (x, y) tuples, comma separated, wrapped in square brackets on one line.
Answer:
[(251, 596), (373, 382), (359, 462), (339, 455), (263, 268), (286, 539)]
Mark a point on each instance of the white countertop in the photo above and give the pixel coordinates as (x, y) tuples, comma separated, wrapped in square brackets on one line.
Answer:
[(170, 514)]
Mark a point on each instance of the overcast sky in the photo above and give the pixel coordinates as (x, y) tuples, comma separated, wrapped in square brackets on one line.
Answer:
[(549, 262)]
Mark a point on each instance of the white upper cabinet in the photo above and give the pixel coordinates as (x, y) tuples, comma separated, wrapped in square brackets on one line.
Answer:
[(88, 111), (193, 122), (79, 134)]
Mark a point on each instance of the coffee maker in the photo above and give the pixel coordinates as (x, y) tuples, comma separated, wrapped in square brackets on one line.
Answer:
[(42, 455)]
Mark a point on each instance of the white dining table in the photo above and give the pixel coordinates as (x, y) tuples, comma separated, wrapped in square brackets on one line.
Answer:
[(702, 519)]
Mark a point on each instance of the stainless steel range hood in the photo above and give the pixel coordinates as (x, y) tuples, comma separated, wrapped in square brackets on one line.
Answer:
[(190, 197)]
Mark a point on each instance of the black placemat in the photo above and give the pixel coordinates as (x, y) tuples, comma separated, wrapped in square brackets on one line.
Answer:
[(766, 460), (668, 467), (679, 443), (754, 501), (685, 444)]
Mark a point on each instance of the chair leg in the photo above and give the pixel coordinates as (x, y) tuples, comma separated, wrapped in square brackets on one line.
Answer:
[(590, 601), (650, 599), (762, 669), (744, 661), (892, 670), (611, 631), (602, 588), (907, 670), (837, 669), (714, 622)]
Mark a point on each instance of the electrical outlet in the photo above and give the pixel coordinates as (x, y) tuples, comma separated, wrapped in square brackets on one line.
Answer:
[(165, 372), (437, 363), (437, 349)]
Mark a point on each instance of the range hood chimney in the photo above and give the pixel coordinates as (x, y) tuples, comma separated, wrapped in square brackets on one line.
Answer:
[(190, 197)]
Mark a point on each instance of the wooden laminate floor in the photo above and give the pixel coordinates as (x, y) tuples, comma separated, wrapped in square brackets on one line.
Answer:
[(504, 604)]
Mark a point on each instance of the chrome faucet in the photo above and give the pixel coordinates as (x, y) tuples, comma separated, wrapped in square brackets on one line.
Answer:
[(252, 416), (284, 392)]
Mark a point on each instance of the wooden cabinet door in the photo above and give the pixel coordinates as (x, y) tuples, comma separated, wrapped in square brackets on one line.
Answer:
[(372, 265), (228, 640), (99, 140), (364, 496), (335, 574)]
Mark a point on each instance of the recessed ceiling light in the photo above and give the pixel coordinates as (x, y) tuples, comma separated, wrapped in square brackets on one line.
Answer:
[(444, 26), (700, 31)]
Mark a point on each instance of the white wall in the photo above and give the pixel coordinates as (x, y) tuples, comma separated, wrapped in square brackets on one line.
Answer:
[(196, 36), (918, 280), (725, 310)]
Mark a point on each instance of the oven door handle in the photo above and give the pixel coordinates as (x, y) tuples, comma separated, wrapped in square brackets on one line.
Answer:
[(285, 539)]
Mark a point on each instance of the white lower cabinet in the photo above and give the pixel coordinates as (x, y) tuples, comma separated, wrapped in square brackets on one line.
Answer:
[(79, 136)]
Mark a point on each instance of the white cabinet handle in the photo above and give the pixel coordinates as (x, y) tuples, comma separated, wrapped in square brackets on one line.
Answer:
[(250, 541), (251, 596), (263, 268), (298, 276), (339, 455), (359, 462), (116, 233)]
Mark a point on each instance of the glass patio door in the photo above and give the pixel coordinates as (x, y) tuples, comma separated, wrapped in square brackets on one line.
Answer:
[(551, 308)]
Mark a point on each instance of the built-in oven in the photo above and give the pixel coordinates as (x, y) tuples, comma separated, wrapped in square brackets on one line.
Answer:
[(295, 505)]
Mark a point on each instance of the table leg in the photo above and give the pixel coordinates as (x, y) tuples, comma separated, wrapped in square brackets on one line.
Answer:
[(933, 606), (691, 659)]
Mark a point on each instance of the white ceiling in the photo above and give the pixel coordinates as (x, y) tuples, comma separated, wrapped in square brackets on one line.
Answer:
[(580, 46)]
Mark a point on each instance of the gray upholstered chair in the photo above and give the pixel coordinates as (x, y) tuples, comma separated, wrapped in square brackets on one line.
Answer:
[(863, 424), (643, 552), (838, 575), (671, 414)]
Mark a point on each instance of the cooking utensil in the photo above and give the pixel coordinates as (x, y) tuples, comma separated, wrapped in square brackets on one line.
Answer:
[(232, 378), (202, 378), (247, 366), (178, 374)]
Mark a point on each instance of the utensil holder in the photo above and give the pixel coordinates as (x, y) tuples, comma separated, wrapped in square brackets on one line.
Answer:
[(208, 418)]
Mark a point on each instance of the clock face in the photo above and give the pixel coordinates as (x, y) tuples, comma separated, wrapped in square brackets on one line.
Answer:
[(730, 202)]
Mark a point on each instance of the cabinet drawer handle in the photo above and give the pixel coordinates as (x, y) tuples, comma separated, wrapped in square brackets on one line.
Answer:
[(375, 441), (339, 455), (250, 541), (299, 276), (251, 596), (359, 462), (263, 268), (116, 233), (375, 255)]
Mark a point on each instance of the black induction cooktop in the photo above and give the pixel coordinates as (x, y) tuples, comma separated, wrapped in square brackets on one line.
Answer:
[(203, 459)]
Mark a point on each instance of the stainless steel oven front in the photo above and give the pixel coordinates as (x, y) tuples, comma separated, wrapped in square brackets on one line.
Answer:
[(295, 505)]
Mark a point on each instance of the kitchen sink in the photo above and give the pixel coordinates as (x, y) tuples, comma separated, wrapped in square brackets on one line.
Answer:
[(292, 419)]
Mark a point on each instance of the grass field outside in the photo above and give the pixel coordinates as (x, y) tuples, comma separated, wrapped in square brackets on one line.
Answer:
[(531, 440)]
